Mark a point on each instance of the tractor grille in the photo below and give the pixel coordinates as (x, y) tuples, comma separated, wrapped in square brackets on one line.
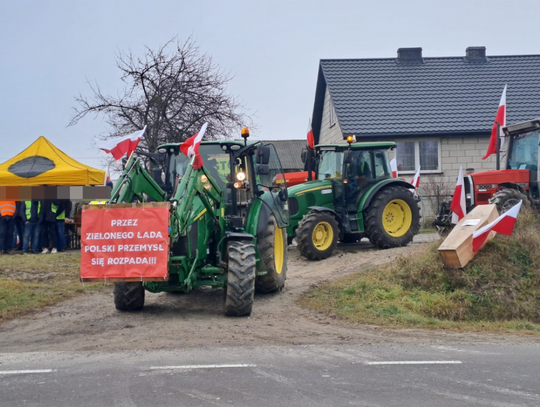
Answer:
[(293, 206)]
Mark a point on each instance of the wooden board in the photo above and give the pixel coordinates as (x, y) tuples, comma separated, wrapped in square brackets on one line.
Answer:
[(457, 249)]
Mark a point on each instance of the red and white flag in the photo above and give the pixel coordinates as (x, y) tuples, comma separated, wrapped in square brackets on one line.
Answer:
[(393, 167), (504, 224), (458, 201), (501, 119), (107, 175), (416, 180), (310, 137), (191, 147), (121, 146)]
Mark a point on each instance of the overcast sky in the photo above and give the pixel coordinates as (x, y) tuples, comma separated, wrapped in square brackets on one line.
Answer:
[(50, 49)]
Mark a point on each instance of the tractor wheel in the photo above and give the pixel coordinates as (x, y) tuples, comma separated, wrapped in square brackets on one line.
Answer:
[(241, 279), (506, 198), (393, 218), (128, 296), (273, 250), (317, 235)]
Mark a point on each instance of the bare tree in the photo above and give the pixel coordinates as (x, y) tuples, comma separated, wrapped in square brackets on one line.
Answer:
[(173, 90)]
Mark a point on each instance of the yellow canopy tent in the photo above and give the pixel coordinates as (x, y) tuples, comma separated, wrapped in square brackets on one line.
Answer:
[(44, 164)]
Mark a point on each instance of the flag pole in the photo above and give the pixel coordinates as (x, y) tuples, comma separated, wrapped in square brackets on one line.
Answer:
[(498, 156)]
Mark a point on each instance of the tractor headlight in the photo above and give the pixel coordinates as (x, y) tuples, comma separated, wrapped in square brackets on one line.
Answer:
[(241, 176), (204, 179), (238, 185)]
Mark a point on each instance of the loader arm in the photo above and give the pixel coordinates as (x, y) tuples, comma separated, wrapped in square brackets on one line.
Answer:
[(135, 181)]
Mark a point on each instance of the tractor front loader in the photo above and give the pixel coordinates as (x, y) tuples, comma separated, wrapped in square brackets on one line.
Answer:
[(227, 221)]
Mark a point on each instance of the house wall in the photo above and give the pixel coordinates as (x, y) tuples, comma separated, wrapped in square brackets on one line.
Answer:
[(329, 134)]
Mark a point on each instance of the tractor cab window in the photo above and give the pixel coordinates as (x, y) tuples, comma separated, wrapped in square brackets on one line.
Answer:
[(524, 153), (330, 165)]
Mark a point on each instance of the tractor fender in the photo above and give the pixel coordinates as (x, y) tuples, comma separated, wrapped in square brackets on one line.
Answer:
[(511, 185), (263, 218), (368, 196), (236, 236), (324, 209)]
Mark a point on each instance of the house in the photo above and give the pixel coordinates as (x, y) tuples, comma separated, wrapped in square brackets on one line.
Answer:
[(439, 110), (290, 153)]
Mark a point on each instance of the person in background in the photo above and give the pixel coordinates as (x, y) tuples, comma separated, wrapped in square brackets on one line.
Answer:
[(47, 224), (31, 228), (19, 219), (7, 211), (62, 213)]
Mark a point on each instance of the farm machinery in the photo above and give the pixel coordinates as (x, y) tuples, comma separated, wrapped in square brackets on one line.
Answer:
[(504, 188), (352, 196), (227, 220)]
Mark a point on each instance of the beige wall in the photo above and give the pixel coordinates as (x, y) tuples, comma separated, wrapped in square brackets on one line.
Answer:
[(329, 135)]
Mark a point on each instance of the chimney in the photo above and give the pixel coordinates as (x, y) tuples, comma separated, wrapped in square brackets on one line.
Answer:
[(475, 54), (409, 55)]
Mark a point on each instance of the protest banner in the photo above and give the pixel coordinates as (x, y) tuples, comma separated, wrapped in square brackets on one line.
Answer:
[(125, 242)]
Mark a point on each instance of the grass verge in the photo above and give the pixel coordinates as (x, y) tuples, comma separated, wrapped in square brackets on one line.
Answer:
[(499, 290), (31, 281)]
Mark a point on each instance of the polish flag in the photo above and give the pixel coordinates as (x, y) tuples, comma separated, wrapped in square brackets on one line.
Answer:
[(393, 167), (121, 146), (416, 180), (458, 201), (310, 137), (504, 224), (191, 147), (501, 119), (107, 175)]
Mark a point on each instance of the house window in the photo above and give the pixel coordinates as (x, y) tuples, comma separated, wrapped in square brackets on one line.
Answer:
[(332, 112), (411, 154)]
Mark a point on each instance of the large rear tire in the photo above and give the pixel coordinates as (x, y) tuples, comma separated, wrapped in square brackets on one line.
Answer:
[(393, 218), (507, 198), (240, 289), (317, 235), (128, 296), (273, 250)]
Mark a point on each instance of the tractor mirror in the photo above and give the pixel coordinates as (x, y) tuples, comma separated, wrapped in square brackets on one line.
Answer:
[(263, 155), (263, 169), (304, 156), (347, 156), (156, 175), (283, 194)]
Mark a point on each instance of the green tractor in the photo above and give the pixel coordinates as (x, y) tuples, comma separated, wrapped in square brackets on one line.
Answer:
[(353, 196), (227, 221)]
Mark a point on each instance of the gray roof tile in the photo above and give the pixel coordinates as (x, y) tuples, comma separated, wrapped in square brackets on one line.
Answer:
[(382, 97)]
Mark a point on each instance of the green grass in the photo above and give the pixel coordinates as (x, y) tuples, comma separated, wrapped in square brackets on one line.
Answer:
[(499, 290), (29, 282)]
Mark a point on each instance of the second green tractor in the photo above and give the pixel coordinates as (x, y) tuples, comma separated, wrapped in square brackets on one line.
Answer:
[(352, 196)]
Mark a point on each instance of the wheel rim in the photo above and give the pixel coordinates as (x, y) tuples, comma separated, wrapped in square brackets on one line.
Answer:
[(323, 235), (397, 218), (279, 250)]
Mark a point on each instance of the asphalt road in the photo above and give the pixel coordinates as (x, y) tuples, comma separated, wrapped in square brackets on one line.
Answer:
[(341, 375)]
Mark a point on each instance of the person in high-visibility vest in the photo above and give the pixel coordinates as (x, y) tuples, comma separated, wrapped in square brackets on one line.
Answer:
[(63, 211), (31, 227), (7, 211), (47, 222), (19, 219)]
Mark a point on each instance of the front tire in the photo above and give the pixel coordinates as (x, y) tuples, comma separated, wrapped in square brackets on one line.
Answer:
[(240, 289), (317, 235), (507, 198), (128, 296), (273, 250), (393, 218)]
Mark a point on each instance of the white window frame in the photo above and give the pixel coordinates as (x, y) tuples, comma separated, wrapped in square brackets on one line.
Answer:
[(417, 156)]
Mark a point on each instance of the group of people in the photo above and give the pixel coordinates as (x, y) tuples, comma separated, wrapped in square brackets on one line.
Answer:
[(33, 226)]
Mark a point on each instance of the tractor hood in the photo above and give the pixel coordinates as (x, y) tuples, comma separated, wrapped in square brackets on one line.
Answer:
[(310, 186), (500, 176)]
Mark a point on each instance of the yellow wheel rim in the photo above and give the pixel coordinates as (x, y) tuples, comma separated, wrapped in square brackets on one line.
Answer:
[(279, 250), (323, 235), (397, 218)]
